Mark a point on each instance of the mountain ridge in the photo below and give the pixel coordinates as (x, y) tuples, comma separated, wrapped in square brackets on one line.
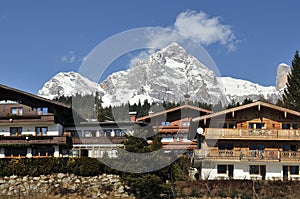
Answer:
[(166, 75)]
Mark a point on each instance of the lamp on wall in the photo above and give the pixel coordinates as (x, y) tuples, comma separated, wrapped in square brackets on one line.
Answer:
[(11, 120)]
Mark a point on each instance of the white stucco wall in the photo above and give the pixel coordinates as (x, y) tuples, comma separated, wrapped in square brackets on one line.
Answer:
[(241, 170)]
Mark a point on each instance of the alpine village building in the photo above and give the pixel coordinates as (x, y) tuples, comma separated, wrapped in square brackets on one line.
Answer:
[(253, 141)]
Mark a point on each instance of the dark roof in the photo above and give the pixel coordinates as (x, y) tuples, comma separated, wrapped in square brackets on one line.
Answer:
[(63, 113), (8, 93), (173, 110), (242, 107)]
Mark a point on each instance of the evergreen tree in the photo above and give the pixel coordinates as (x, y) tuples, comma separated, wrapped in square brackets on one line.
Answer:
[(291, 96), (100, 111)]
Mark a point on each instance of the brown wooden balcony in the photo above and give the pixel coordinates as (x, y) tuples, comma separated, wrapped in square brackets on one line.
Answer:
[(171, 129), (27, 119), (253, 134), (31, 140), (245, 155), (98, 140)]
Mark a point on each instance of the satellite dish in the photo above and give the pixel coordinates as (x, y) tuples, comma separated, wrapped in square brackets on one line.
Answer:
[(200, 131)]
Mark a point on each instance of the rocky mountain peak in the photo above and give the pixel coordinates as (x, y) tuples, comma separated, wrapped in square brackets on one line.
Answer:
[(281, 77), (167, 75)]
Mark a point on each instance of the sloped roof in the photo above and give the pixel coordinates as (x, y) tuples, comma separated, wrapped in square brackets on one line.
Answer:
[(175, 109), (63, 112), (6, 93), (242, 107)]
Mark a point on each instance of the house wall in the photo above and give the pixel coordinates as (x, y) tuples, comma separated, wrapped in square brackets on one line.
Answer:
[(29, 129), (274, 171)]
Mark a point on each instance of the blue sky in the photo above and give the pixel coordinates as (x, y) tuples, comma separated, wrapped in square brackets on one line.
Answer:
[(38, 39)]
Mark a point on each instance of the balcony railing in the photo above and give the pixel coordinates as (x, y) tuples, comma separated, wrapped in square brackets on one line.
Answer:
[(284, 134), (29, 140), (27, 119), (98, 140), (246, 155), (172, 129)]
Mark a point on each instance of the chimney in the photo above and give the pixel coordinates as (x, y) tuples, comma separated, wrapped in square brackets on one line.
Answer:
[(133, 116)]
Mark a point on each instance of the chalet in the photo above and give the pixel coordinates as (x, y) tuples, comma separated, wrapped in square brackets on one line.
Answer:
[(31, 126), (253, 141), (173, 126)]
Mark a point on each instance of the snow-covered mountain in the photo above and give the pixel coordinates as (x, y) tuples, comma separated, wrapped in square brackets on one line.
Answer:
[(238, 90), (69, 84), (165, 76)]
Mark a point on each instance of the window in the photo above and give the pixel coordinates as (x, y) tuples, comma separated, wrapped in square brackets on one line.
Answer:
[(124, 131), (15, 131), (42, 111), (108, 133), (295, 126), (294, 170), (9, 152), (41, 131), (222, 169), (286, 126), (225, 146), (231, 125), (289, 147), (290, 170), (256, 125), (225, 169), (43, 151), (259, 147), (289, 126), (117, 132), (17, 111), (226, 125), (185, 123), (257, 170)]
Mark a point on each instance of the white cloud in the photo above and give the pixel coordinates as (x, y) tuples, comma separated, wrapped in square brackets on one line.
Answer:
[(199, 26), (142, 56), (205, 29), (69, 58)]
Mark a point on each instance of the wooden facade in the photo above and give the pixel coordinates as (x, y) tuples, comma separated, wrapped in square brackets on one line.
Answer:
[(173, 127), (32, 126), (248, 136)]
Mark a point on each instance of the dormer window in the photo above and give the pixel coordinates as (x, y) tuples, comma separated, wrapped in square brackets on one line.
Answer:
[(17, 111)]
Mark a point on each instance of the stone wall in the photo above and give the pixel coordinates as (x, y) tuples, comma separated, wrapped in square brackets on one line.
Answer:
[(63, 186)]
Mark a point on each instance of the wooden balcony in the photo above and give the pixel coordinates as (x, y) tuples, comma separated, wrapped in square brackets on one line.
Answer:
[(27, 119), (253, 134), (32, 140), (245, 155), (171, 129), (98, 140)]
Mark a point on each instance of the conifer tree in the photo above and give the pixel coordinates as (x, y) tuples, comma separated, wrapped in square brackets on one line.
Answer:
[(291, 96)]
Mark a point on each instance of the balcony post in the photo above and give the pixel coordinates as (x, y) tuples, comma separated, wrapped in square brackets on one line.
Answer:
[(56, 151)]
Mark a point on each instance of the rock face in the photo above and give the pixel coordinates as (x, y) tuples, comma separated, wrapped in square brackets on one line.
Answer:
[(63, 186), (281, 78), (165, 76)]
